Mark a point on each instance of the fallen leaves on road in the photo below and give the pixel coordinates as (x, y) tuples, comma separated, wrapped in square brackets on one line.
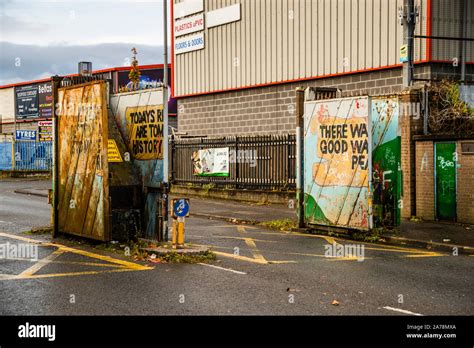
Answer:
[(335, 303)]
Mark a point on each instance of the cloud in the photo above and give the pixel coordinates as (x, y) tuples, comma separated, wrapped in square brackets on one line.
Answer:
[(30, 62), (13, 25)]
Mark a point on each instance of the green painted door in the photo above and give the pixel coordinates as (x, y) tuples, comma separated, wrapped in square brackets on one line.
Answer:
[(445, 181)]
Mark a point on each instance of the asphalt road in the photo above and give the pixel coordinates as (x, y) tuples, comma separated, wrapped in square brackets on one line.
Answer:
[(258, 271), (22, 212)]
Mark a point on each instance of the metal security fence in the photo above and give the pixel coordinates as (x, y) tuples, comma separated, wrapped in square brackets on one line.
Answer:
[(6, 150), (26, 156), (264, 162)]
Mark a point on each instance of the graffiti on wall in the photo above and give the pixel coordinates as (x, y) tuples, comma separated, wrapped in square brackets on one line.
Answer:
[(337, 148), (386, 157)]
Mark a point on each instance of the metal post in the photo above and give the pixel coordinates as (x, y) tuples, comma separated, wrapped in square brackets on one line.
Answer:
[(425, 110), (300, 155), (464, 42), (165, 118), (55, 83), (409, 21)]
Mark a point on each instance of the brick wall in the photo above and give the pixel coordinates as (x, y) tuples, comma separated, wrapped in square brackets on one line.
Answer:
[(425, 187), (410, 123), (465, 189), (10, 127), (271, 109), (424, 168)]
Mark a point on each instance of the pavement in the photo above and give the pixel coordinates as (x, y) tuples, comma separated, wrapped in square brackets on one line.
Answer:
[(247, 212), (430, 235), (423, 234), (258, 271)]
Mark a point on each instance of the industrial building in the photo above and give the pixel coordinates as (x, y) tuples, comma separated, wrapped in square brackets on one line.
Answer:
[(26, 107), (237, 63)]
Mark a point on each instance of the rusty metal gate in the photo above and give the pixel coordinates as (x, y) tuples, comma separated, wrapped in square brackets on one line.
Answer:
[(83, 197)]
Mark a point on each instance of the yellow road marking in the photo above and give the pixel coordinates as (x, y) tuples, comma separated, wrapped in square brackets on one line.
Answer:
[(121, 265), (43, 262), (241, 229), (54, 275), (232, 226), (253, 249), (347, 258), (241, 258), (252, 246), (425, 255), (388, 248), (95, 264), (330, 240), (281, 262), (231, 237)]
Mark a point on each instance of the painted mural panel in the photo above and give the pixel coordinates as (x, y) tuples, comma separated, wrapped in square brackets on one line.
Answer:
[(145, 131), (386, 165), (337, 162), (133, 114), (83, 167)]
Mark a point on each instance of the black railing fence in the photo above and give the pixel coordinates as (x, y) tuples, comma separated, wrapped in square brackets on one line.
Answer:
[(265, 162)]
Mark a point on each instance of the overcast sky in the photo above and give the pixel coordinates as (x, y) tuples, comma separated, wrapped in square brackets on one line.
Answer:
[(40, 38)]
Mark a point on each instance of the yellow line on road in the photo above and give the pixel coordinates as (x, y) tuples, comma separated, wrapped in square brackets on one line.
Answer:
[(241, 229), (388, 248), (127, 264), (253, 249), (54, 275), (43, 262), (231, 237), (252, 246), (95, 264), (233, 226), (330, 240), (425, 255), (121, 265), (239, 257), (347, 258)]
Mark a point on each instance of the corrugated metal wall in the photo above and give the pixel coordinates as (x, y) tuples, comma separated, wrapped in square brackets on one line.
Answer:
[(7, 105), (280, 40), (447, 21)]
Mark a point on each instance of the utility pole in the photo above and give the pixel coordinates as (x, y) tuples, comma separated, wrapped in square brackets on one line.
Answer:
[(409, 21), (300, 155), (464, 42), (165, 120)]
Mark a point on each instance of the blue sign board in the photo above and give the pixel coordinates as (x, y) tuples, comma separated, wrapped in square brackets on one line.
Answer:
[(25, 135), (181, 207)]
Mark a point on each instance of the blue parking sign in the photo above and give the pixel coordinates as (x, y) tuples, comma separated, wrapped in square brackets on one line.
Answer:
[(181, 207)]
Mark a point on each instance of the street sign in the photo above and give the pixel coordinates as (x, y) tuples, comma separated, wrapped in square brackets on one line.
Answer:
[(403, 53), (25, 135), (180, 207), (45, 130)]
